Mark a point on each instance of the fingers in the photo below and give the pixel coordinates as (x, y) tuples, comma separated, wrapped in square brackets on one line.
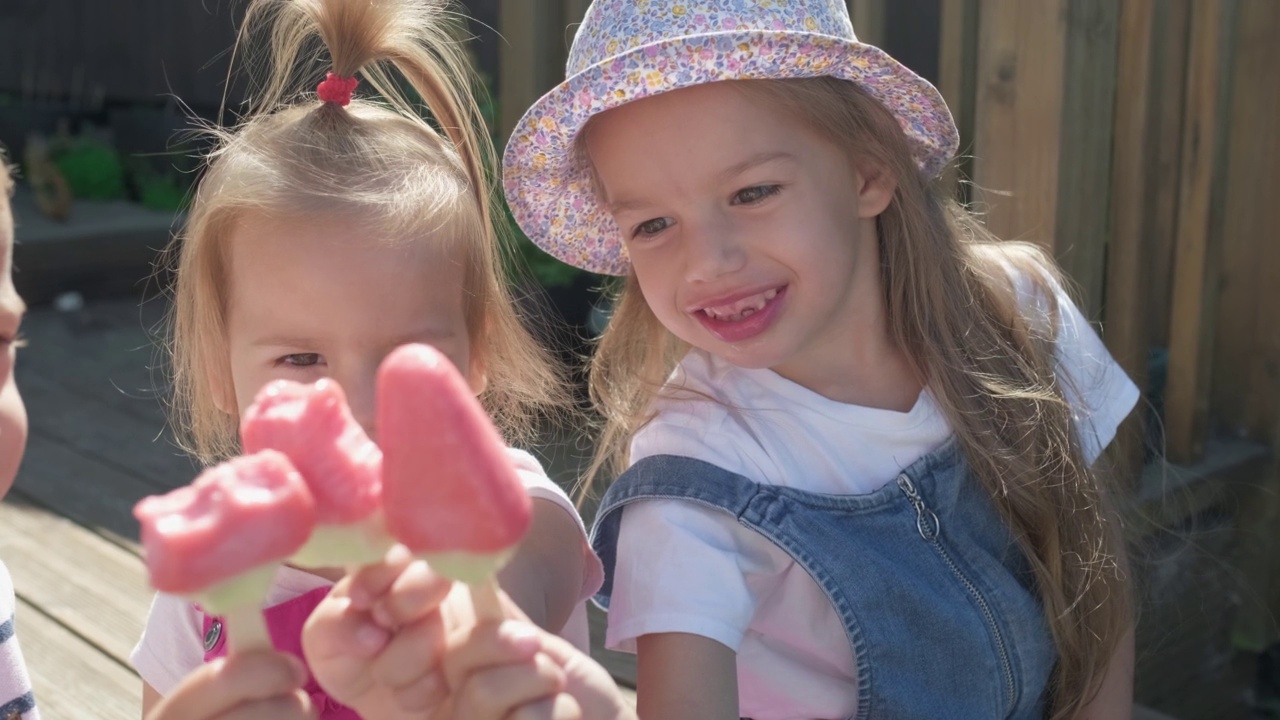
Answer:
[(561, 707), (489, 645), (414, 593), (495, 693), (413, 653), (337, 629), (373, 581), (296, 706), (224, 686)]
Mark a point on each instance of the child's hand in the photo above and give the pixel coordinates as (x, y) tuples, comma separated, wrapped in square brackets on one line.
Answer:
[(244, 686), (374, 641), (502, 671)]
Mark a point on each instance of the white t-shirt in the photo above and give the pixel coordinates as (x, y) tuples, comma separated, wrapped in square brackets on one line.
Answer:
[(172, 644), (735, 586)]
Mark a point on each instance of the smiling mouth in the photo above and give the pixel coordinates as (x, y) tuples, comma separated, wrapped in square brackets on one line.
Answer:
[(742, 309)]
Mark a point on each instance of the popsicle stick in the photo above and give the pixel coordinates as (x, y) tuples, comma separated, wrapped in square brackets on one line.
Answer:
[(247, 630), (485, 600)]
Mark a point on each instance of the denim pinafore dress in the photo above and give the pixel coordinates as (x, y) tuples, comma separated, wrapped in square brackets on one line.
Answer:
[(936, 598)]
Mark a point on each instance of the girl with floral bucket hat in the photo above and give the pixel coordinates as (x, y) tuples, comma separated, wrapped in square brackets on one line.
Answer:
[(856, 434)]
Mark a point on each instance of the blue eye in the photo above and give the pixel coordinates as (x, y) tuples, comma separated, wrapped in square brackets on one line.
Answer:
[(753, 195)]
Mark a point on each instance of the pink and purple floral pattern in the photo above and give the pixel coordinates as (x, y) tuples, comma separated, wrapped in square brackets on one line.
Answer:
[(630, 49)]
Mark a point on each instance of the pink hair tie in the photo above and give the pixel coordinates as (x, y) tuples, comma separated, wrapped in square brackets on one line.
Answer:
[(335, 89)]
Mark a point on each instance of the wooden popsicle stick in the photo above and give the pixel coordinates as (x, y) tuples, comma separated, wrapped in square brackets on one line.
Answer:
[(485, 600)]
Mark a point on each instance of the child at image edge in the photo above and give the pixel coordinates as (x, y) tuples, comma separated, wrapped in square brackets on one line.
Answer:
[(328, 230), (857, 435)]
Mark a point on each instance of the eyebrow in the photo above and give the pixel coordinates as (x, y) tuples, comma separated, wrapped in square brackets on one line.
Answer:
[(728, 173), (755, 161), (278, 341)]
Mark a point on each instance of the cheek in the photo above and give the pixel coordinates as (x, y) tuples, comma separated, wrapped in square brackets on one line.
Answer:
[(13, 434)]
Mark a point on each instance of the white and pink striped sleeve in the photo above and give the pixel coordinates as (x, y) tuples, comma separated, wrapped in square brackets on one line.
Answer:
[(16, 699)]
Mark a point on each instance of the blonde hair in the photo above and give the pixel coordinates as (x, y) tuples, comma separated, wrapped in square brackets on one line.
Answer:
[(408, 178), (991, 366)]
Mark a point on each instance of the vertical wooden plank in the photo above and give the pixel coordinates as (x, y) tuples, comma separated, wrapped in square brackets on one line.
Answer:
[(957, 78), (1263, 412), (1170, 38), (995, 121), (1197, 259), (530, 61), (1018, 116), (1127, 282), (1244, 323), (1088, 102), (1041, 42), (868, 20)]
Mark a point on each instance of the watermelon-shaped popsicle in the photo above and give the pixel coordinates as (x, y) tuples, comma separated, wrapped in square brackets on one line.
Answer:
[(313, 426), (220, 539), (450, 492)]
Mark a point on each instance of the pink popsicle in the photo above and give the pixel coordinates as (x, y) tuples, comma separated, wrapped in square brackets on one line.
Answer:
[(314, 427), (218, 540), (448, 484), (451, 493)]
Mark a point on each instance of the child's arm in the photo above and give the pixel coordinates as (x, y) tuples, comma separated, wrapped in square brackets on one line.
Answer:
[(686, 676), (1114, 700), (266, 685), (544, 578)]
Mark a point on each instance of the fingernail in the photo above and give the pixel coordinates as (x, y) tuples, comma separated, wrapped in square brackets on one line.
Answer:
[(522, 638)]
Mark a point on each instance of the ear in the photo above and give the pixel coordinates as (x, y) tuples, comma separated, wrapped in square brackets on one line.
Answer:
[(222, 391), (477, 376), (876, 187)]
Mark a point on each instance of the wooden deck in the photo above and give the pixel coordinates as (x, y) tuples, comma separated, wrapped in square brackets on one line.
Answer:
[(98, 444)]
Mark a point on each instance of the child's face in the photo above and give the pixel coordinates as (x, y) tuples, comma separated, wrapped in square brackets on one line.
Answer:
[(13, 414), (315, 297), (752, 237)]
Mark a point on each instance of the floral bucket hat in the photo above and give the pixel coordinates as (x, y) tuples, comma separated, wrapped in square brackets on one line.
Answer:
[(626, 50)]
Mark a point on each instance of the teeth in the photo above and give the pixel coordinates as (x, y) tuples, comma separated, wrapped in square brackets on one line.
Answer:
[(742, 309)]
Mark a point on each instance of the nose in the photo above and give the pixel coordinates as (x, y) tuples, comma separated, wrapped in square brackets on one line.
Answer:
[(361, 394), (712, 250)]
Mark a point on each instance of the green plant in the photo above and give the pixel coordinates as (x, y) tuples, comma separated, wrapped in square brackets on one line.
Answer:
[(92, 168), (156, 188), (161, 192)]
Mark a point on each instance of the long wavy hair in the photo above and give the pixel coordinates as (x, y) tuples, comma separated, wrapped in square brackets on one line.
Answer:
[(990, 364)]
